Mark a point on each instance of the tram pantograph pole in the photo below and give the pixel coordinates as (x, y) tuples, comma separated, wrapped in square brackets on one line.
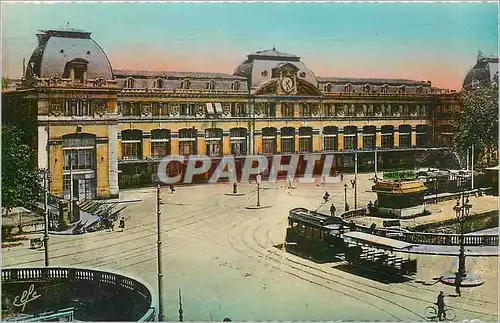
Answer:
[(161, 316)]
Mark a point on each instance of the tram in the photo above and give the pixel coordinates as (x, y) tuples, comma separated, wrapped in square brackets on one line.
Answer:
[(324, 237), (314, 233)]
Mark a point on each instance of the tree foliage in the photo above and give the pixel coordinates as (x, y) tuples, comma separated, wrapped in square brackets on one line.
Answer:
[(20, 178), (477, 124)]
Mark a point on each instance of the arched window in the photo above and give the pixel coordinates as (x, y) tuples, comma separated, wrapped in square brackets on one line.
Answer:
[(387, 133), (131, 144), (328, 87), (235, 86), (213, 141), (211, 85), (369, 137), (305, 139), (129, 83), (350, 137), (186, 84), (384, 89), (348, 88), (419, 89), (330, 138), (367, 88), (269, 140), (402, 89), (159, 83), (160, 143), (287, 140), (238, 139), (187, 141), (405, 136)]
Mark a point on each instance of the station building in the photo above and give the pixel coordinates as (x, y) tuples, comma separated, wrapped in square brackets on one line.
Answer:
[(109, 127)]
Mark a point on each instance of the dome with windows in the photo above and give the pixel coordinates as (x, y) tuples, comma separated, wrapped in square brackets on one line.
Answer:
[(259, 67), (483, 73), (63, 53)]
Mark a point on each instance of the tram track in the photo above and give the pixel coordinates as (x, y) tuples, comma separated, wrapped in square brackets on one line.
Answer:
[(299, 274), (397, 294)]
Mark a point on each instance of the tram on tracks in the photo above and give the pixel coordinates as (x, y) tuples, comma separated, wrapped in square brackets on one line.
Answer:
[(324, 238)]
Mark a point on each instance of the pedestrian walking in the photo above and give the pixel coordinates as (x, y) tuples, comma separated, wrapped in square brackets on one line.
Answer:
[(458, 283), (333, 209), (122, 224), (342, 177), (326, 197), (172, 189), (353, 183), (323, 181)]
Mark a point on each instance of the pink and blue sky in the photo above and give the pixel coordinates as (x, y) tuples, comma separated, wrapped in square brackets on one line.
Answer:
[(422, 41)]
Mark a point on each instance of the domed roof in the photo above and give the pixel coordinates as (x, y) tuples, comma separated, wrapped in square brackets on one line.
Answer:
[(259, 66), (484, 72), (58, 47)]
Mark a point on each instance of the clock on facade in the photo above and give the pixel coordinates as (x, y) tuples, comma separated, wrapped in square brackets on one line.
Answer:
[(287, 84)]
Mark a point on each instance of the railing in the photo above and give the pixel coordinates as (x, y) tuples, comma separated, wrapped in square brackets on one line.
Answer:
[(441, 197), (78, 274), (424, 238)]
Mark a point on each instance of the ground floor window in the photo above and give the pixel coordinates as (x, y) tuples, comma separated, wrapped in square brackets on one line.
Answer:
[(387, 140), (287, 145), (330, 143), (160, 143), (131, 150), (305, 144), (268, 145), (404, 140), (84, 185), (238, 140), (350, 142), (369, 141)]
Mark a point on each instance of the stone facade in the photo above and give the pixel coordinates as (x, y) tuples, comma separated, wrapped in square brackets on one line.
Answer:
[(122, 121)]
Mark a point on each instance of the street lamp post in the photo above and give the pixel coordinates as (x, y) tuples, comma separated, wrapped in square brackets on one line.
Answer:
[(46, 207), (161, 316), (356, 180), (259, 179), (345, 197), (462, 212)]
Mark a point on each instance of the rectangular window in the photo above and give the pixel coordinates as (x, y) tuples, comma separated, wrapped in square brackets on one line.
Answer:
[(349, 142), (387, 141), (287, 110), (238, 109), (187, 147), (329, 110), (305, 144), (269, 145), (187, 109), (131, 149), (305, 110), (368, 141), (81, 158), (330, 143), (269, 109), (287, 145), (160, 148), (404, 140)]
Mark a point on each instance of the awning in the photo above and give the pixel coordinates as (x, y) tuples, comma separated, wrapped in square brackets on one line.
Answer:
[(210, 108), (370, 239), (218, 107)]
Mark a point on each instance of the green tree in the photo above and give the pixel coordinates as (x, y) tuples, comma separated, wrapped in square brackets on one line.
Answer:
[(20, 178), (477, 124), (4, 82)]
